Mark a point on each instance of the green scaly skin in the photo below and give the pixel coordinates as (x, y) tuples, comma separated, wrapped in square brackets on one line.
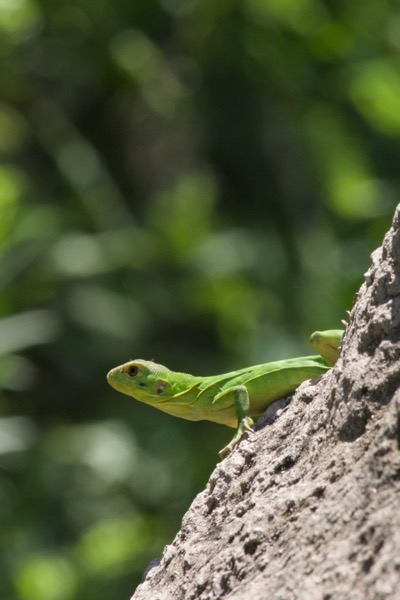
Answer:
[(230, 399)]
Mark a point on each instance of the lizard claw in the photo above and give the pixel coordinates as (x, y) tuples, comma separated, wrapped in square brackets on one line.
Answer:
[(243, 427)]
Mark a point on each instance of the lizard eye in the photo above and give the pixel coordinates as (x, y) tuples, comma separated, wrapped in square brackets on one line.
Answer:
[(133, 371)]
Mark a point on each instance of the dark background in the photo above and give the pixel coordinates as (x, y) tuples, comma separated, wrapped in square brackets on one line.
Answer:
[(197, 182)]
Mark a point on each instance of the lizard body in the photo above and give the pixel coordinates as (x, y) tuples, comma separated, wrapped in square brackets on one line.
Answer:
[(231, 398)]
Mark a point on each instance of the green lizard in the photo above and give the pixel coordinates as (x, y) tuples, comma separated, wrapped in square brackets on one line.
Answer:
[(232, 398)]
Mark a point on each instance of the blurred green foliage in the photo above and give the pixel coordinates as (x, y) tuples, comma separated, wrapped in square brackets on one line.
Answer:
[(198, 182)]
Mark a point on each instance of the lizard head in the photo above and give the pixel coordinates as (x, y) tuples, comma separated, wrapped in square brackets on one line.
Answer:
[(143, 379)]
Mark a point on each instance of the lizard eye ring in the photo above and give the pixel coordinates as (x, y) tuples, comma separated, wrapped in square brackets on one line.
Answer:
[(133, 371)]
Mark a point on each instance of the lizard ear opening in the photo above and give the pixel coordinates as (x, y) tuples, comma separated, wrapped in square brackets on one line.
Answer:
[(159, 387)]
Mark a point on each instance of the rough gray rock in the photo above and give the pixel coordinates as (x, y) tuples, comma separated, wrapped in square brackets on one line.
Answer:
[(310, 507)]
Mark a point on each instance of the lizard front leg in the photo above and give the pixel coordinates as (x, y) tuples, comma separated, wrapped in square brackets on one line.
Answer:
[(239, 397)]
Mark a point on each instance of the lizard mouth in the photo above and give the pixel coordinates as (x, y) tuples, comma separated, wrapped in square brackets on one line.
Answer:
[(113, 378), (110, 375)]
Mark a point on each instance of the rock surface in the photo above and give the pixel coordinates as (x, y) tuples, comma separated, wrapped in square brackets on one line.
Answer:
[(310, 507)]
